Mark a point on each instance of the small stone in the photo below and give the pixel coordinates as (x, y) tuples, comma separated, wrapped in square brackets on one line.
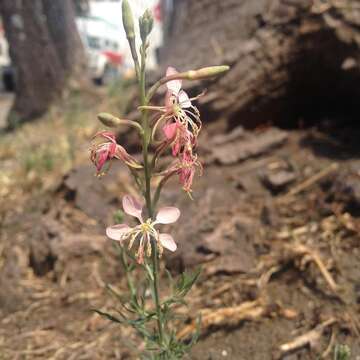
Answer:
[(278, 180)]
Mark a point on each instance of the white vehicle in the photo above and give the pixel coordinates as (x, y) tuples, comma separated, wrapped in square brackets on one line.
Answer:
[(104, 40), (4, 55), (6, 70), (102, 46), (106, 24)]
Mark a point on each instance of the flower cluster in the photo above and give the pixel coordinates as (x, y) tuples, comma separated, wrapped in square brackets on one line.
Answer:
[(181, 129), (180, 124)]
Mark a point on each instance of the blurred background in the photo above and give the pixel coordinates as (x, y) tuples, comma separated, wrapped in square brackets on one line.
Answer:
[(275, 220)]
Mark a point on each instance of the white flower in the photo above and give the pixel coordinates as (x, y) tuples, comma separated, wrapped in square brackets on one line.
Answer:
[(145, 231), (178, 105)]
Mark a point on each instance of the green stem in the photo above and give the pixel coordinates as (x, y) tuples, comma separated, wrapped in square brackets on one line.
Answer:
[(146, 138), (128, 276), (134, 56), (156, 292), (159, 188), (147, 173)]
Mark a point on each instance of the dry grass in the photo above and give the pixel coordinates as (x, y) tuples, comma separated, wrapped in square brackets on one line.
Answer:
[(37, 154)]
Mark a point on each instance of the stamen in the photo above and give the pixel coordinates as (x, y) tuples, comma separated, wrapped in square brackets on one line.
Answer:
[(148, 248), (160, 249), (132, 239), (140, 253)]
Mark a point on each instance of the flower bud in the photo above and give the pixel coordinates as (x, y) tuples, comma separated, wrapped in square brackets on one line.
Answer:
[(206, 72), (113, 121), (128, 21), (109, 120), (146, 22)]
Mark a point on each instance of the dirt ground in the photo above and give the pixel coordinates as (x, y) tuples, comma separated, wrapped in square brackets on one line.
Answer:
[(274, 224)]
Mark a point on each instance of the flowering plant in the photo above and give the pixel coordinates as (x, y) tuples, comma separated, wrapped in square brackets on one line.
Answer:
[(175, 126)]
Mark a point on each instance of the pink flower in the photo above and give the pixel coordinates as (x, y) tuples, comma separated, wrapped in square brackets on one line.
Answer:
[(186, 170), (178, 105), (179, 136), (185, 166), (104, 152), (181, 119), (145, 231)]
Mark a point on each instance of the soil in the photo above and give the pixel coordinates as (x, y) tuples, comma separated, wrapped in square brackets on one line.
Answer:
[(292, 251)]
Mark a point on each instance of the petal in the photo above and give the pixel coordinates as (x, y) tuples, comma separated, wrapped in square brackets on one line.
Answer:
[(132, 207), (184, 100), (174, 85), (116, 232), (101, 160), (175, 148), (121, 153), (167, 215), (169, 100), (171, 71), (108, 135), (167, 242), (112, 149), (170, 130)]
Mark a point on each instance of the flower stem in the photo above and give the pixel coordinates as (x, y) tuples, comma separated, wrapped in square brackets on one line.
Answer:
[(156, 292), (147, 173), (128, 276)]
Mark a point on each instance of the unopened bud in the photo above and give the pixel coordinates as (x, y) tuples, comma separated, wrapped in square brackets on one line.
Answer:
[(113, 121), (128, 21), (146, 22), (206, 72), (109, 120)]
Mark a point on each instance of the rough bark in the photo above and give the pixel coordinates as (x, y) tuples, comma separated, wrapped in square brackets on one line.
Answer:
[(63, 31), (38, 70), (288, 57), (45, 50)]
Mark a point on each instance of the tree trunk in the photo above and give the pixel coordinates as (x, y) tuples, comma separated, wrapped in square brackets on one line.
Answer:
[(38, 70), (45, 50), (289, 58), (63, 31)]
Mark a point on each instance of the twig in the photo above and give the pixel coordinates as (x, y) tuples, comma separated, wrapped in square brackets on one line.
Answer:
[(265, 277), (249, 310), (303, 250), (63, 349), (32, 333), (352, 318), (39, 351), (309, 338), (327, 351), (311, 181)]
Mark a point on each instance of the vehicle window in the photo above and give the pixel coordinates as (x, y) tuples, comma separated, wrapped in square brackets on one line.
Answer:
[(94, 42)]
